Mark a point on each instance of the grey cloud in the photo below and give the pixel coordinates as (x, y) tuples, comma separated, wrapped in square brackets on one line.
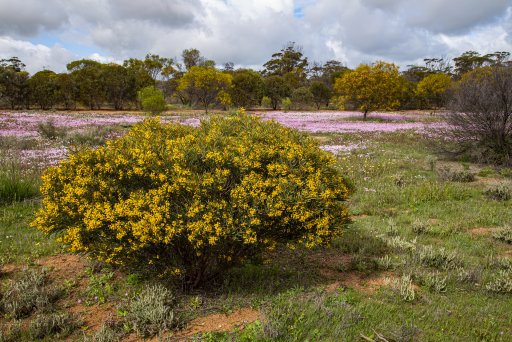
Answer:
[(28, 18)]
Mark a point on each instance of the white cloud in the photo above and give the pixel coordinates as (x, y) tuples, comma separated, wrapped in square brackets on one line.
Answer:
[(36, 56)]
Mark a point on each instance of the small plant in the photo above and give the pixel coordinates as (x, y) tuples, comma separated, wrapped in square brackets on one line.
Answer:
[(51, 131), (431, 162), (152, 311), (468, 276), (392, 229), (107, 333), (11, 332), (400, 244), (420, 227), (504, 235), (28, 294), (438, 258), (152, 100), (501, 282), (404, 287), (286, 104), (100, 286), (385, 262), (57, 325), (500, 192), (435, 282), (464, 176)]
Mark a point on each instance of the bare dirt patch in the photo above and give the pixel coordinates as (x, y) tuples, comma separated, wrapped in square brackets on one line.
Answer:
[(482, 231), (219, 323), (64, 266)]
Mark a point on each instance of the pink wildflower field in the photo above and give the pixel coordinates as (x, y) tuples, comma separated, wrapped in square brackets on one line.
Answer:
[(43, 152)]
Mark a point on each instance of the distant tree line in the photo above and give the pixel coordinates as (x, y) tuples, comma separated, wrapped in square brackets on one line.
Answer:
[(287, 78)]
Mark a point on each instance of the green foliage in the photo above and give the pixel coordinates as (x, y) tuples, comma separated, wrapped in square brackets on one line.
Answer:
[(152, 311), (198, 200), (57, 325), (100, 286), (266, 102), (301, 98), (43, 88), (286, 104), (152, 100), (321, 94), (276, 88), (247, 88), (370, 87), (404, 287)]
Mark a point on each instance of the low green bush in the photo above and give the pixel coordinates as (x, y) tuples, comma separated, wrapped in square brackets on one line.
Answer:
[(58, 325), (152, 100)]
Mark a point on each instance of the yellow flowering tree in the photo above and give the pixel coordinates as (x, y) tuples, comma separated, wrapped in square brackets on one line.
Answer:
[(206, 85), (195, 201), (370, 87), (432, 90)]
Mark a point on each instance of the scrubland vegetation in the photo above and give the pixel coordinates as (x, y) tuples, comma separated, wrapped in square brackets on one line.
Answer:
[(265, 225)]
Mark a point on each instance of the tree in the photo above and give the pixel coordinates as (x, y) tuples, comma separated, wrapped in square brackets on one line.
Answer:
[(191, 58), (276, 89), (481, 116), (470, 60), (288, 63), (152, 100), (13, 82), (119, 85), (43, 88), (371, 87), (206, 85), (87, 75), (321, 93), (433, 89), (247, 88), (67, 90), (301, 98)]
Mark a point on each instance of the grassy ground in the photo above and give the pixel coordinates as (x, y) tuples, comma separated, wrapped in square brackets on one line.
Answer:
[(422, 261)]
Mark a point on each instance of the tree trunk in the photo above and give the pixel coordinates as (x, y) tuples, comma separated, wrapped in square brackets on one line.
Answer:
[(365, 114)]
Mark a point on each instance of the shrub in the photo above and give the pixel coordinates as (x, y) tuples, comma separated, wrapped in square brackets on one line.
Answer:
[(152, 311), (438, 258), (463, 176), (404, 287), (500, 192), (195, 201), (152, 100), (481, 118), (501, 282), (56, 324), (50, 131), (28, 294), (286, 103), (504, 235), (266, 102)]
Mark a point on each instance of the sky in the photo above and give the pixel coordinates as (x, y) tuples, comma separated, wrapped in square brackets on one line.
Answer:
[(48, 34)]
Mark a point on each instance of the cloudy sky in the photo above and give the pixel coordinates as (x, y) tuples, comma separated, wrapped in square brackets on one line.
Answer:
[(50, 33)]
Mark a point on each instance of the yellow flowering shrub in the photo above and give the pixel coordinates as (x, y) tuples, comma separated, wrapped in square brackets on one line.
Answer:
[(194, 201)]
